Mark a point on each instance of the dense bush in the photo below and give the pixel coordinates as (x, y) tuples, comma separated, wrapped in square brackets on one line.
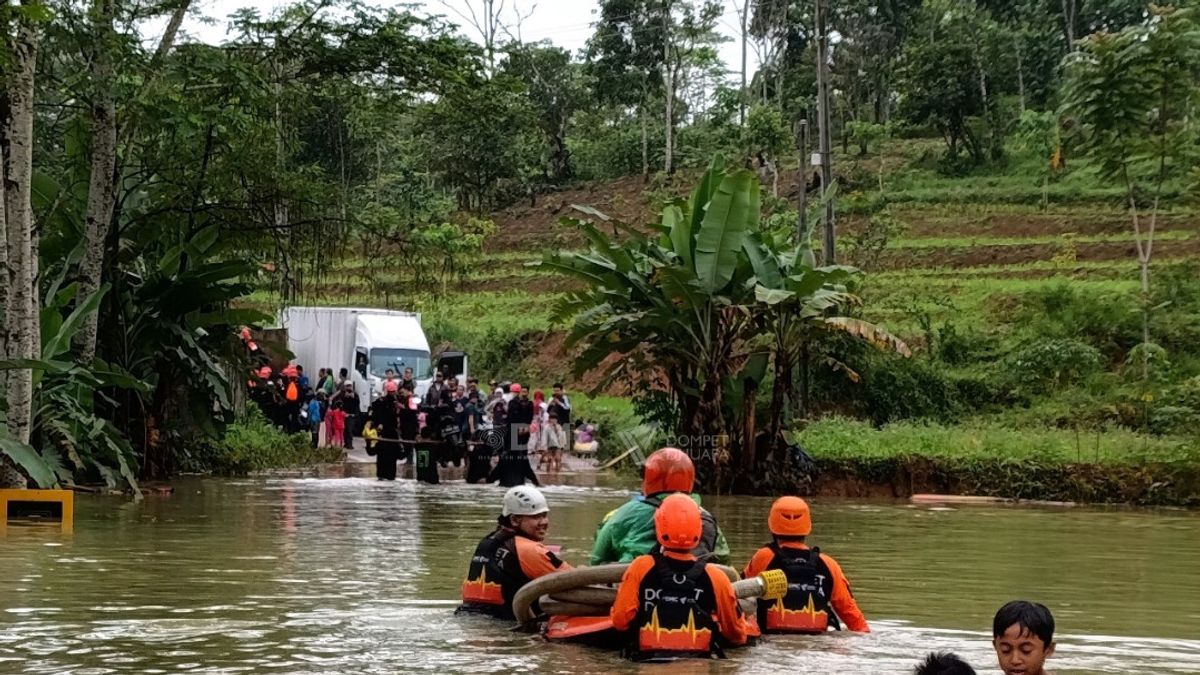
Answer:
[(1106, 321), (1052, 364), (252, 444)]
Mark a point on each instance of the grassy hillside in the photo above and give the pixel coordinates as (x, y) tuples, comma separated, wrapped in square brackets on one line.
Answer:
[(998, 294)]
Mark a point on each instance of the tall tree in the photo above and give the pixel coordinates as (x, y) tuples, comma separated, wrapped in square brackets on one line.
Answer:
[(556, 89), (22, 35), (103, 164), (625, 57), (1135, 94)]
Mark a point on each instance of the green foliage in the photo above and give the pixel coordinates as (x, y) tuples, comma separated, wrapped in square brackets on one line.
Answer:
[(866, 134), (1063, 310), (840, 438), (767, 131), (252, 444), (1132, 94), (70, 440), (486, 164), (950, 61), (1052, 364)]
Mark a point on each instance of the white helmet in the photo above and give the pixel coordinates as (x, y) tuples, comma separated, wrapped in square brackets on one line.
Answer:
[(524, 500)]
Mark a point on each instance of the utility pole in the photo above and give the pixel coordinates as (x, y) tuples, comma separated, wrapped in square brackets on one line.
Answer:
[(823, 131), (802, 207)]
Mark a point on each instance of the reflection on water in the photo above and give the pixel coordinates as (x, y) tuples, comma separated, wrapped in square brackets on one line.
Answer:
[(354, 576)]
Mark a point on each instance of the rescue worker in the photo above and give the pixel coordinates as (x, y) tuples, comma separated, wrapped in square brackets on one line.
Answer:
[(511, 556), (384, 421), (628, 531), (818, 594), (673, 605)]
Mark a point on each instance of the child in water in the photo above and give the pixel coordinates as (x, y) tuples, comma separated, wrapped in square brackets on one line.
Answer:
[(1023, 636)]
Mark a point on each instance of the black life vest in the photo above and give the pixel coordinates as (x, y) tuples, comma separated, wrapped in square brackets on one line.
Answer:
[(494, 576), (675, 614), (806, 607)]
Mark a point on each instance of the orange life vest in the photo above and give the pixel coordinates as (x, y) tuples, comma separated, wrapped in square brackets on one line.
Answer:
[(293, 392)]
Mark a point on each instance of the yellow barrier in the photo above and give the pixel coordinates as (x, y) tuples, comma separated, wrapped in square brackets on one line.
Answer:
[(31, 499)]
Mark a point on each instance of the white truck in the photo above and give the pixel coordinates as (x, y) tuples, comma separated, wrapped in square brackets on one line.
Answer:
[(367, 342)]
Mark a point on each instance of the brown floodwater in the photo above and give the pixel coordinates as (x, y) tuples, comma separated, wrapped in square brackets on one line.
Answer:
[(355, 576)]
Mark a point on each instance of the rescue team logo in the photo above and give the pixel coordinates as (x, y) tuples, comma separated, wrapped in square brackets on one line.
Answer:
[(808, 616), (684, 638), (482, 590)]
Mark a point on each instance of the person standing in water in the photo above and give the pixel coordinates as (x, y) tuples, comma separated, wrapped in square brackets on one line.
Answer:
[(671, 604), (384, 421), (628, 532), (818, 596), (511, 556)]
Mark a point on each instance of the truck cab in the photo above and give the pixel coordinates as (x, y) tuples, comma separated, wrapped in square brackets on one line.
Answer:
[(389, 341)]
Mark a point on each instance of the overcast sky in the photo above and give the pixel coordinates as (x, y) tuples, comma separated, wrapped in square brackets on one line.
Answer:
[(566, 23)]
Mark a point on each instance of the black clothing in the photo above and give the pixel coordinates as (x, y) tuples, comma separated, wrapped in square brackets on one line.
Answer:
[(384, 419), (513, 469), (496, 562), (676, 593), (520, 415), (807, 606)]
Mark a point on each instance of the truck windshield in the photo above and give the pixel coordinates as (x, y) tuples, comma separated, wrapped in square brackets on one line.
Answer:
[(398, 360)]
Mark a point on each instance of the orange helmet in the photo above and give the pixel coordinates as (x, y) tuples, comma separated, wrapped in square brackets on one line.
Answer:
[(677, 523), (790, 517), (668, 470)]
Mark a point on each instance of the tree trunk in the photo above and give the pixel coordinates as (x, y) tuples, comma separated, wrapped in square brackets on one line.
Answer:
[(10, 476), (824, 133), (645, 142), (1069, 23), (24, 333), (100, 186), (1020, 73), (669, 123), (749, 394), (742, 92)]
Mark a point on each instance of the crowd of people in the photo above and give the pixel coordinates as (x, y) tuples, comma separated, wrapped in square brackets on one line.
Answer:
[(674, 602), (295, 403), (495, 431)]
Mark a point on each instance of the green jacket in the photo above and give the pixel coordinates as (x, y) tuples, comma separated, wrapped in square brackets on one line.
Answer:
[(628, 532)]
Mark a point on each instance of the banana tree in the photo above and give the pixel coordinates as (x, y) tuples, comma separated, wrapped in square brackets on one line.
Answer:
[(674, 304), (173, 326), (68, 437)]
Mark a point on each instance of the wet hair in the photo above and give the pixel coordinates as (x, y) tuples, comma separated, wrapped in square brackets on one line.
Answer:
[(1033, 618), (943, 663)]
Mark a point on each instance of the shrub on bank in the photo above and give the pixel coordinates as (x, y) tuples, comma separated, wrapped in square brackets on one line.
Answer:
[(842, 438), (855, 459), (253, 444)]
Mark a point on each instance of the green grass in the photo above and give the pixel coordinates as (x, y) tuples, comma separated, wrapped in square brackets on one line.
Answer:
[(1058, 239), (845, 439)]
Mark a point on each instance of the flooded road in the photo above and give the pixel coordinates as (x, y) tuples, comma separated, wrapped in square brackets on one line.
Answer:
[(355, 576)]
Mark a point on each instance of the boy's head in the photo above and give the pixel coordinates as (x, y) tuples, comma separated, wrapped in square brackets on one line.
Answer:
[(1023, 636), (943, 663)]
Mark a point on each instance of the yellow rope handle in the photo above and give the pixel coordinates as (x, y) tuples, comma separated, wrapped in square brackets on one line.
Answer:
[(775, 584)]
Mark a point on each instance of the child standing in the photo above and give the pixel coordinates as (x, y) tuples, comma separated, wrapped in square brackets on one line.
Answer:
[(335, 425), (314, 417)]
